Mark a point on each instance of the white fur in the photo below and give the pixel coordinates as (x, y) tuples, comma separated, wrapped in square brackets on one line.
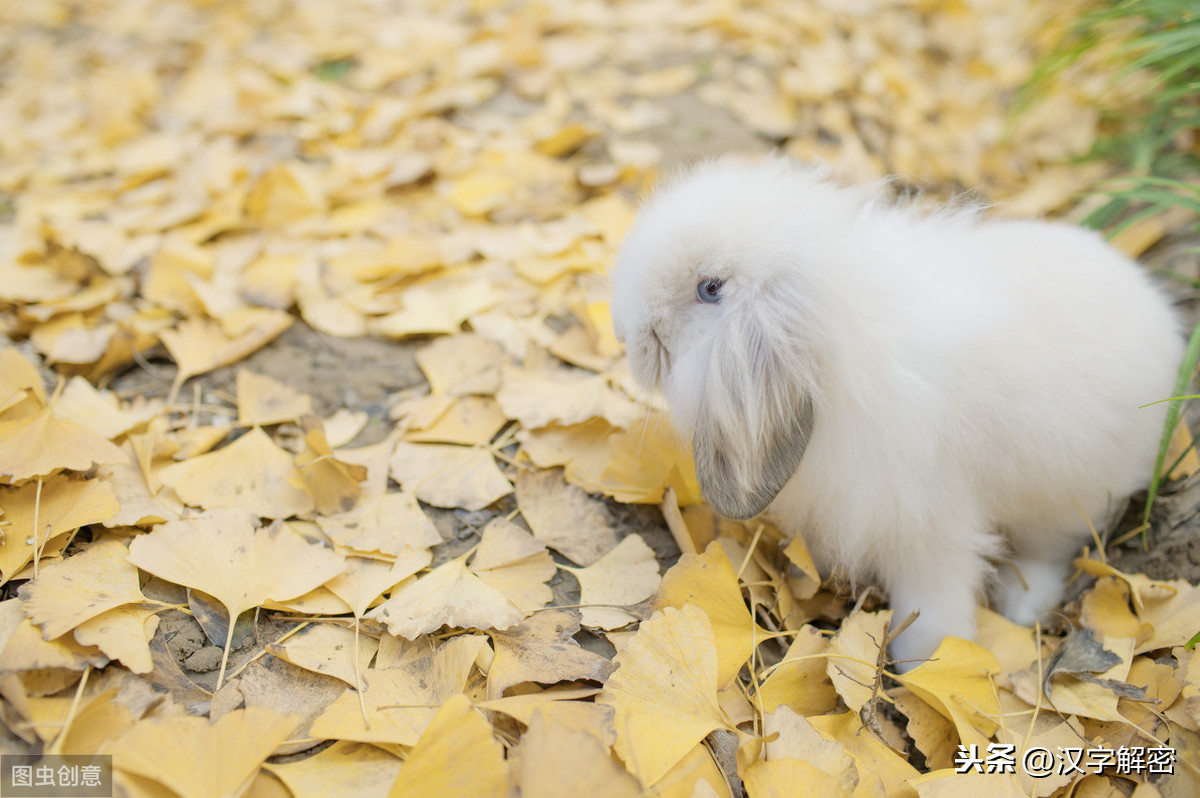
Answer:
[(971, 384)]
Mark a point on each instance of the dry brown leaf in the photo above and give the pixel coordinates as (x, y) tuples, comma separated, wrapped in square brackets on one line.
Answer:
[(541, 649)]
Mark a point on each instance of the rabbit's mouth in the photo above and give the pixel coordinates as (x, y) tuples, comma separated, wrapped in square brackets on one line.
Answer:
[(649, 359)]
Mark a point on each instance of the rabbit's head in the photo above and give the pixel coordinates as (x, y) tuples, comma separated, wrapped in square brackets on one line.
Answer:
[(717, 295)]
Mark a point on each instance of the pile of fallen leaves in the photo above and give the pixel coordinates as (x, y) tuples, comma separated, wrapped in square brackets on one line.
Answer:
[(230, 594)]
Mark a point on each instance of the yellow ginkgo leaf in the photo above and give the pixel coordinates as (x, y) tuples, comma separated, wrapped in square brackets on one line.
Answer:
[(932, 733), (38, 512), (565, 517), (789, 735), (39, 444), (329, 650), (25, 650), (67, 593), (286, 193), (708, 581), (515, 563), (139, 507), (625, 576), (449, 476), (222, 554), (401, 700), (542, 649), (872, 757), (461, 365), (438, 306), (99, 411), (789, 778), (551, 755), (957, 682), (122, 634), (200, 345), (334, 485), (854, 664), (262, 400), (449, 595), (456, 755), (387, 524), (801, 681), (364, 580), (469, 420), (643, 462), (540, 398), (199, 759), (664, 692), (18, 374), (344, 768), (478, 193), (251, 473)]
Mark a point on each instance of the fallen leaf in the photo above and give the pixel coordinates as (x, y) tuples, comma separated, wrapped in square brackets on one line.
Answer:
[(65, 594), (456, 755), (329, 650), (334, 485), (252, 473), (385, 524), (449, 476), (625, 576), (201, 345), (262, 401), (449, 595), (552, 755), (957, 682), (708, 581), (515, 563), (401, 700), (198, 759), (542, 649), (38, 512), (565, 517), (222, 554), (854, 656), (664, 691), (344, 768), (39, 444), (122, 634)]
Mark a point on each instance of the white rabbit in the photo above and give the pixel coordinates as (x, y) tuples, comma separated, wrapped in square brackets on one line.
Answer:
[(918, 394)]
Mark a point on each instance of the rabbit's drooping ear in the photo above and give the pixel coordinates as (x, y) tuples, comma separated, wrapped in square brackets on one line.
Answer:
[(756, 412)]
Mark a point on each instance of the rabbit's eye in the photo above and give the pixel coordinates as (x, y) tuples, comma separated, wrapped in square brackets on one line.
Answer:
[(709, 291)]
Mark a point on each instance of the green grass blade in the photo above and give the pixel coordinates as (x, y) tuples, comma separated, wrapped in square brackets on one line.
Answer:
[(1182, 380)]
